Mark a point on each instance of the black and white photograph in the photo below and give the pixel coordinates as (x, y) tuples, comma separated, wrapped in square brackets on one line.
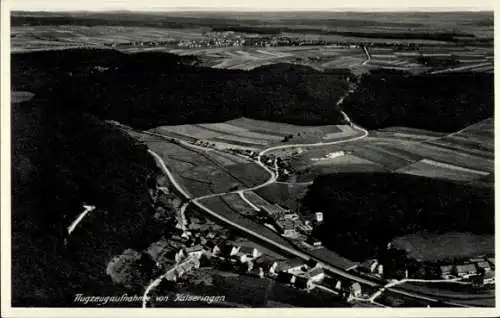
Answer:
[(248, 154)]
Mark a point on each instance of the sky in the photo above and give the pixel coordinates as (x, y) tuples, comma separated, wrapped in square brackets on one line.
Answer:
[(253, 5)]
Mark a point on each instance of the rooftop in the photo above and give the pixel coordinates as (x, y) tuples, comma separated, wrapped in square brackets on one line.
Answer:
[(265, 260), (483, 265), (466, 268), (290, 263), (314, 272), (193, 249), (247, 249)]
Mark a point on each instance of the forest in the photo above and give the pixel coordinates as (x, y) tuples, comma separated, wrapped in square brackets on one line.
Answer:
[(147, 90), (363, 212), (441, 102), (61, 160)]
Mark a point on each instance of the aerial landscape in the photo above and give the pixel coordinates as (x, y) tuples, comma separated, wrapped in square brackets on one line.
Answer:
[(252, 159)]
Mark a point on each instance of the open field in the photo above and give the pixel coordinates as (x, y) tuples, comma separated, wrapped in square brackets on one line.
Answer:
[(448, 156), (464, 156), (255, 134), (245, 41), (28, 38), (308, 170), (257, 200), (463, 294), (433, 169), (405, 133), (476, 139), (438, 247), (234, 201), (204, 172), (286, 195)]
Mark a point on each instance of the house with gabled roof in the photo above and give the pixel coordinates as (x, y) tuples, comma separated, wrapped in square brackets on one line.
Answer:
[(465, 270), (229, 249), (268, 263), (251, 252), (290, 265), (196, 250), (446, 271), (483, 267), (240, 257), (314, 275)]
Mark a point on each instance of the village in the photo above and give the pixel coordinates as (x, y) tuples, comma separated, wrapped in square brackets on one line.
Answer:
[(186, 251), (475, 272)]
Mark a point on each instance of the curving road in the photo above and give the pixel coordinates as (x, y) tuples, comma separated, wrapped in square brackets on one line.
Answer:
[(273, 177)]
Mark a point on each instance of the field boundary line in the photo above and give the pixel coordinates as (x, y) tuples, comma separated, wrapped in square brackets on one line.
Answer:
[(244, 198)]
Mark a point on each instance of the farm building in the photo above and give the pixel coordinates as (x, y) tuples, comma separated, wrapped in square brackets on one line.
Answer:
[(483, 267), (489, 278), (465, 270), (369, 265), (445, 271), (257, 271), (315, 275), (355, 290), (175, 254), (311, 263), (491, 260), (251, 252), (291, 216), (319, 217), (305, 229), (313, 242), (287, 227), (196, 250), (229, 249), (290, 265), (486, 279), (268, 263), (240, 257), (274, 211), (214, 245), (380, 269)]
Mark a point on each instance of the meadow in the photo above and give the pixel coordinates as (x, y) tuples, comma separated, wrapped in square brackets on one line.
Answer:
[(255, 134), (440, 42), (430, 247), (204, 172), (462, 156)]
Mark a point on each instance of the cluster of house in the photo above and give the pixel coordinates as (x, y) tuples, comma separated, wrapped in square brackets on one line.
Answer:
[(213, 42), (228, 39), (181, 247), (290, 224), (481, 270), (183, 253), (293, 271), (373, 266)]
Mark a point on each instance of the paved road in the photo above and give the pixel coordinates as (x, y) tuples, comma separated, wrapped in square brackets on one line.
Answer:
[(338, 271)]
